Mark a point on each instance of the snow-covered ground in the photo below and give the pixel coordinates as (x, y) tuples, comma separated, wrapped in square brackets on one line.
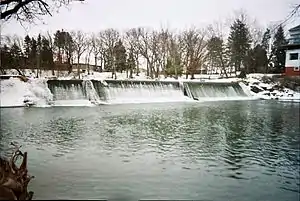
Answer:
[(16, 93), (269, 91)]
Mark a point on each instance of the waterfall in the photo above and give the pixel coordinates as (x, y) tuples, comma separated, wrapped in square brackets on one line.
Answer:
[(141, 91), (91, 93), (69, 93), (216, 91)]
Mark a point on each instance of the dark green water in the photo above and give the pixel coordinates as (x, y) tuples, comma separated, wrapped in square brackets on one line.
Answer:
[(240, 150)]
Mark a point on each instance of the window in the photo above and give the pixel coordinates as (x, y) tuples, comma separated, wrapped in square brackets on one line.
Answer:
[(293, 56)]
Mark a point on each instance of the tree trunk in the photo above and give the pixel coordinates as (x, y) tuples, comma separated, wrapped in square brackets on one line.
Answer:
[(78, 68), (137, 67), (223, 66), (148, 71), (131, 72), (157, 71), (20, 73), (95, 62)]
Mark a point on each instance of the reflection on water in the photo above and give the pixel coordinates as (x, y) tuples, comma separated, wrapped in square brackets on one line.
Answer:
[(208, 151)]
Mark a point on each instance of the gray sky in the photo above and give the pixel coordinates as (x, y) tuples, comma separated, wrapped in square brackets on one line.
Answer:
[(94, 15)]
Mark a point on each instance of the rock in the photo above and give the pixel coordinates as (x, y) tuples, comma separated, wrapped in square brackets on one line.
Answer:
[(255, 89)]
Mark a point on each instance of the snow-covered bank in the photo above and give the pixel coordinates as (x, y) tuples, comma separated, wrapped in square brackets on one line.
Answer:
[(16, 93), (270, 90)]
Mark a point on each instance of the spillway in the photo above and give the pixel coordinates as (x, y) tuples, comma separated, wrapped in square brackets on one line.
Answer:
[(95, 92)]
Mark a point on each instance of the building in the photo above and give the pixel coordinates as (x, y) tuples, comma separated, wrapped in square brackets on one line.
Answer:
[(292, 61)]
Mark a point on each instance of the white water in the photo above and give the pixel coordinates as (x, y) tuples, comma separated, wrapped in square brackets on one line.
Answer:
[(71, 103), (144, 93), (73, 95), (92, 95), (216, 92), (69, 92)]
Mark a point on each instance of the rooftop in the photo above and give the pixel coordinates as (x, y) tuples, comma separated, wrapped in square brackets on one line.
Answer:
[(296, 28)]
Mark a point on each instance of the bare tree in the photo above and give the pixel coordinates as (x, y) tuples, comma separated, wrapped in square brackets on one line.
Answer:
[(49, 37), (217, 55), (195, 50), (176, 53), (96, 46), (89, 50), (162, 52), (80, 46), (29, 10), (256, 32), (9, 40), (109, 38), (132, 38), (148, 41)]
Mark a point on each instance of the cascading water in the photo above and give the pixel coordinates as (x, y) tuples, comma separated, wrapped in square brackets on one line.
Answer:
[(91, 93), (215, 91), (69, 93), (142, 92)]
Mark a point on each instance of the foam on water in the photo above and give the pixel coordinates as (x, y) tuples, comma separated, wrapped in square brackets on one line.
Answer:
[(71, 103), (144, 93)]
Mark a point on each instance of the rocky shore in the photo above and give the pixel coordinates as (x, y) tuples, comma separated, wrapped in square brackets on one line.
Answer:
[(274, 87)]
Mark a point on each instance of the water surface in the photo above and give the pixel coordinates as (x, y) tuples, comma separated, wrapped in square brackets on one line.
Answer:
[(237, 150)]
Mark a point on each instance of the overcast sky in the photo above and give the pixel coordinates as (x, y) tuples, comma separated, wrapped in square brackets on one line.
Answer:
[(94, 15)]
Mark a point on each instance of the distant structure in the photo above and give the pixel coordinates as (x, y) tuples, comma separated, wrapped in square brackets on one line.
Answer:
[(292, 61)]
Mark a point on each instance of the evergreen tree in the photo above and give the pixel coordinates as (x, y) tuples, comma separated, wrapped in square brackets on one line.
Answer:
[(130, 64), (278, 51), (238, 43), (68, 46), (217, 54), (39, 49), (256, 60), (27, 46), (120, 57), (33, 52), (6, 58), (46, 54), (58, 43), (65, 47), (16, 54)]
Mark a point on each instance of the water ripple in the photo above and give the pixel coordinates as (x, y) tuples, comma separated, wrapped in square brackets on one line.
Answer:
[(240, 151)]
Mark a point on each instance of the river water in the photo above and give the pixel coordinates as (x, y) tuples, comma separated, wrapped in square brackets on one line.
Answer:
[(237, 150)]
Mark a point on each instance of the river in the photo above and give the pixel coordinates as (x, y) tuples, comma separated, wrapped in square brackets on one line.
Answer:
[(235, 150)]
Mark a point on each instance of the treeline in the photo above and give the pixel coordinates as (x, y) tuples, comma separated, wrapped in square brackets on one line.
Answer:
[(163, 52)]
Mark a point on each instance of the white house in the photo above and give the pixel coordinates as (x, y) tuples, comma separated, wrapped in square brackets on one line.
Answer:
[(292, 61)]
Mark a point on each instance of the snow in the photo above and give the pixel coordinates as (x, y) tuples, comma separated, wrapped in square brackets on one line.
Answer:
[(14, 92)]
